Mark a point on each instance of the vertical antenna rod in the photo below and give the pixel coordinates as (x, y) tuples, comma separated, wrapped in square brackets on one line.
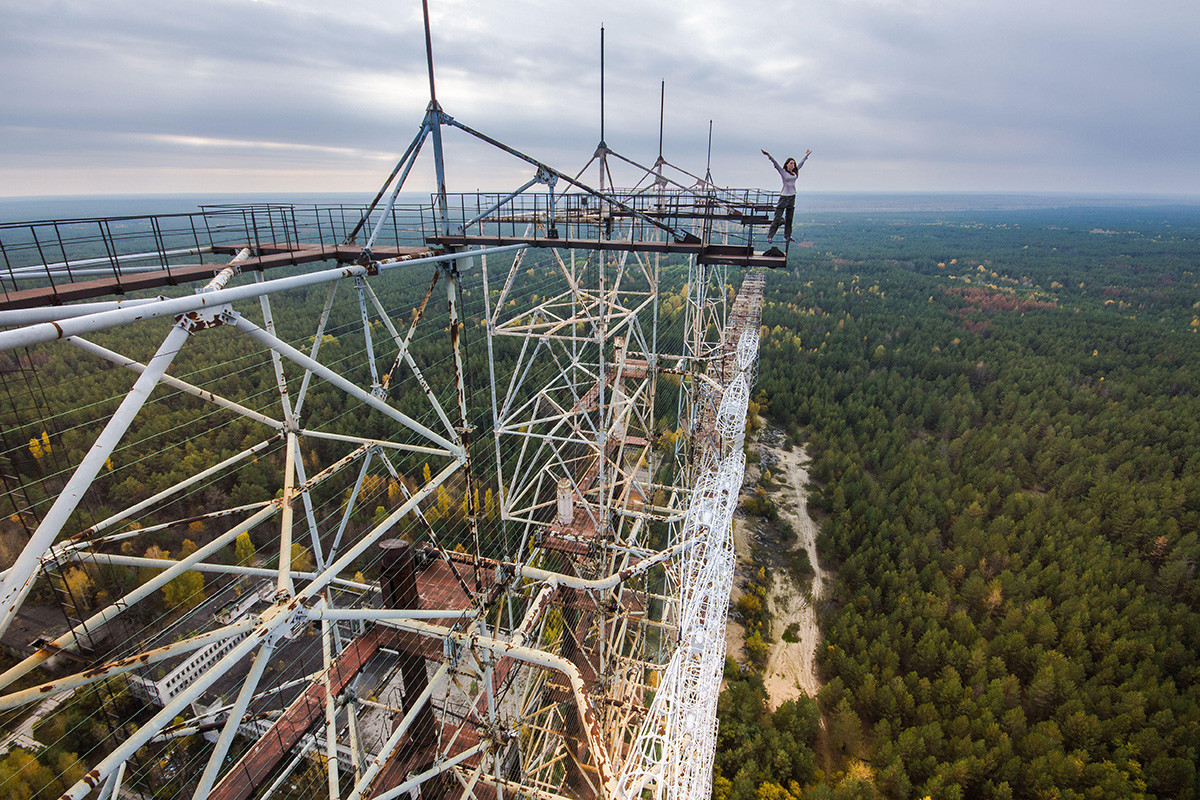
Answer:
[(662, 101), (429, 54), (601, 84), (708, 164), (602, 148), (433, 119)]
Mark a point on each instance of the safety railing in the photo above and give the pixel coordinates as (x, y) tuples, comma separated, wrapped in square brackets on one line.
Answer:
[(48, 254), (54, 253), (715, 216)]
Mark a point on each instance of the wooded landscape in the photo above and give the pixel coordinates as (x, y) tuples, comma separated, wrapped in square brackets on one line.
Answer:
[(1003, 411)]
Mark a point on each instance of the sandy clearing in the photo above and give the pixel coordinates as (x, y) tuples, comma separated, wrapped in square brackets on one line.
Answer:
[(791, 666)]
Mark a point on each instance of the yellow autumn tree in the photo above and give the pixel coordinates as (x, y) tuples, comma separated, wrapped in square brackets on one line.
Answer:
[(443, 501), (243, 548), (372, 486), (40, 448), (302, 560), (156, 552), (80, 589), (187, 590)]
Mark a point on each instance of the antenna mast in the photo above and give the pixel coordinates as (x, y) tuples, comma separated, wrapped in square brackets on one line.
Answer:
[(603, 148), (708, 164), (662, 101), (433, 119)]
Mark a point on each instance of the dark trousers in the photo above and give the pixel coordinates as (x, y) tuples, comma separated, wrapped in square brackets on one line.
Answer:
[(784, 210)]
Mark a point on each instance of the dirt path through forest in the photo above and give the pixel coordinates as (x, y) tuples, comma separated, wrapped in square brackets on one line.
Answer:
[(791, 666)]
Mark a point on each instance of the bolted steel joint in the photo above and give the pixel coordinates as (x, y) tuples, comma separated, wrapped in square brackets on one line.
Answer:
[(204, 318), (451, 651)]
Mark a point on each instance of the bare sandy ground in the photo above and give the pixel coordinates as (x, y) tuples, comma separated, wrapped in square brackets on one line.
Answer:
[(791, 666)]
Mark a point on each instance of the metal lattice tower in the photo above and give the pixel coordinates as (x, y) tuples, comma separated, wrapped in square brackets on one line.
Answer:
[(536, 605)]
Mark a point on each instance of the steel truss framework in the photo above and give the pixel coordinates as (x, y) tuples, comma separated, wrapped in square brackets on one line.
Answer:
[(491, 651)]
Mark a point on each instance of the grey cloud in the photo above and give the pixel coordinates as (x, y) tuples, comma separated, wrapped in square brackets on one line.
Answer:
[(1061, 95)]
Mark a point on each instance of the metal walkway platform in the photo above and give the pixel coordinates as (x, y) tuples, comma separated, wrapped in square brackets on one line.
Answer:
[(730, 254), (270, 256)]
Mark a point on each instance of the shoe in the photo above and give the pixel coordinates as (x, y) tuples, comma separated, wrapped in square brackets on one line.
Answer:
[(771, 241)]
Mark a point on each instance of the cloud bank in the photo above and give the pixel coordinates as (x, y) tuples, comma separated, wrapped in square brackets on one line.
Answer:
[(891, 95)]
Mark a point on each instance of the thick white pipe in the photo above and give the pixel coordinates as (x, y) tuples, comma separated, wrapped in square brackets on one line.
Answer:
[(588, 718), (388, 614), (166, 563), (611, 581), (30, 316), (331, 750)]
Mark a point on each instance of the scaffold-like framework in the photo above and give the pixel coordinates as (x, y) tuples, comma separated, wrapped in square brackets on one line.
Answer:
[(450, 486)]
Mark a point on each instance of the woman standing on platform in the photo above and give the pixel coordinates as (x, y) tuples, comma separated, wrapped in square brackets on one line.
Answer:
[(786, 206)]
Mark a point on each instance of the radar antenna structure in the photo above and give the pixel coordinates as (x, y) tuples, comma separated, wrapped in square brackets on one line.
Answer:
[(452, 550)]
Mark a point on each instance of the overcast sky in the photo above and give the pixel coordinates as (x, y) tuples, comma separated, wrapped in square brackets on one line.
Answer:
[(125, 96)]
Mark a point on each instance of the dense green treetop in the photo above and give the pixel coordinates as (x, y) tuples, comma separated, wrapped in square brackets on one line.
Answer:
[(1004, 414)]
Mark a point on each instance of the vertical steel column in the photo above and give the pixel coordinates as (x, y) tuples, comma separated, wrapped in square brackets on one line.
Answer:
[(434, 121), (283, 584), (464, 429), (331, 751), (398, 580), (491, 355)]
